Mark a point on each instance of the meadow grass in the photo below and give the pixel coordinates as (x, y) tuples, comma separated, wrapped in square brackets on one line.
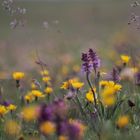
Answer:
[(52, 87)]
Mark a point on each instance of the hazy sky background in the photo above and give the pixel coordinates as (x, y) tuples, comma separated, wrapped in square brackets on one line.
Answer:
[(81, 24)]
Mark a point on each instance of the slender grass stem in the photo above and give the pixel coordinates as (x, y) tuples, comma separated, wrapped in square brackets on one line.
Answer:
[(80, 106)]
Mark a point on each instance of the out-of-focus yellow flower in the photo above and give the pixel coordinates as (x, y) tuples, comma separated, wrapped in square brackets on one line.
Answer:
[(29, 97), (111, 85), (44, 73), (64, 70), (48, 90), (76, 68), (117, 87), (18, 75), (109, 101), (3, 110), (37, 93), (65, 85), (89, 96), (107, 92), (46, 79), (134, 69), (125, 58), (47, 128), (77, 85), (62, 137), (108, 96), (12, 127), (29, 113), (33, 86), (103, 83), (122, 121), (11, 107), (72, 83)]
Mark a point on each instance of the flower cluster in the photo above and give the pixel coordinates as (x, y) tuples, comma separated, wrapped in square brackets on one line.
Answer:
[(53, 119), (90, 61), (5, 108), (77, 109), (72, 84), (108, 92)]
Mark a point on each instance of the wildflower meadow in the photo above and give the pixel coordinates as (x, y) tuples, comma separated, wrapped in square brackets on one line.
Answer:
[(69, 70)]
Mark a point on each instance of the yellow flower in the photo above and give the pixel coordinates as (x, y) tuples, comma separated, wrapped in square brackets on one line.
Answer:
[(44, 73), (48, 90), (108, 96), (33, 86), (109, 101), (123, 121), (46, 79), (110, 84), (29, 113), (11, 107), (89, 97), (37, 93), (77, 85), (72, 83), (47, 128), (103, 83), (18, 75), (62, 137), (107, 92), (125, 58), (12, 127), (65, 85), (117, 87), (29, 97), (3, 110)]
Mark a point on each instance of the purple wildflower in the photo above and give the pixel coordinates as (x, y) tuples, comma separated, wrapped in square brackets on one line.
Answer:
[(68, 129), (53, 112), (6, 103), (86, 66), (94, 59), (74, 132), (113, 75), (90, 61), (57, 113), (46, 113), (62, 128), (60, 108)]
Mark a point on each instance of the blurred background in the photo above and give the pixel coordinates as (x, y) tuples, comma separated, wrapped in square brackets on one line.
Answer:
[(59, 30)]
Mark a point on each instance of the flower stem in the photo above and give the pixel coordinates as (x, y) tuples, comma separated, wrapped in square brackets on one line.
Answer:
[(94, 96)]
